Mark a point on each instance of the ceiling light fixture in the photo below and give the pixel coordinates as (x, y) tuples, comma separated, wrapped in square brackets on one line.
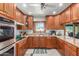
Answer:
[(60, 4), (35, 4), (30, 13), (54, 12), (24, 5)]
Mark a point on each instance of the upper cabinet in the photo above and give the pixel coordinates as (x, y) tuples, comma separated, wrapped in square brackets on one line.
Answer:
[(75, 11), (58, 25), (8, 10), (63, 18), (1, 7), (68, 15), (20, 17), (50, 22), (30, 22)]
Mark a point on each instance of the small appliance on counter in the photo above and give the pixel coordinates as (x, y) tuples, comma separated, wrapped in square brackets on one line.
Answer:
[(53, 32)]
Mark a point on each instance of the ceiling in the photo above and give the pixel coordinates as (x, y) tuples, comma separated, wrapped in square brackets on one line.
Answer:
[(35, 8)]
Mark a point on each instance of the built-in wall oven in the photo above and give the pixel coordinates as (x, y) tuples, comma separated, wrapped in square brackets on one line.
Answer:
[(6, 29)]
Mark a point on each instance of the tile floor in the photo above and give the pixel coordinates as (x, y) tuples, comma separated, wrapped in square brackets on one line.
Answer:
[(42, 52)]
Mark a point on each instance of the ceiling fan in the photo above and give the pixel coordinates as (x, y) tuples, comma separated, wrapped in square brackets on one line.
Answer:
[(43, 6)]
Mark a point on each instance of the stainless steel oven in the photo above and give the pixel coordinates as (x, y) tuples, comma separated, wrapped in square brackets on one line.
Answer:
[(6, 29)]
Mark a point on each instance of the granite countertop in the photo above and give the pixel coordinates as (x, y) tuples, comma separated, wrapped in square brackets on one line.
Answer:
[(70, 40)]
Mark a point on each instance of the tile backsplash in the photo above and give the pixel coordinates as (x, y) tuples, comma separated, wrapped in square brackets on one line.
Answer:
[(58, 32), (29, 31)]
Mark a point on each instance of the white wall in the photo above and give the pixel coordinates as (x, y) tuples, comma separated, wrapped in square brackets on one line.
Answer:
[(39, 19)]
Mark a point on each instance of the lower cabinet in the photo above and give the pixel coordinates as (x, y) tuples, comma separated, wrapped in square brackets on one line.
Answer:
[(64, 48), (21, 47), (42, 42), (60, 46), (35, 42), (50, 42), (30, 42), (70, 50), (78, 51)]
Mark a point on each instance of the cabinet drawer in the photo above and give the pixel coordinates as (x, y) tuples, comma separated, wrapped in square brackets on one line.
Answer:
[(78, 52), (74, 48), (72, 53)]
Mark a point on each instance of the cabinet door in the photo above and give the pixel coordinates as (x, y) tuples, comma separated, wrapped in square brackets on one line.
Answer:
[(1, 6), (78, 51), (50, 22), (53, 42), (42, 42), (75, 12), (14, 11), (18, 16), (57, 22), (62, 18), (49, 42), (30, 22), (66, 50), (36, 42), (6, 7), (30, 42), (68, 14), (10, 9)]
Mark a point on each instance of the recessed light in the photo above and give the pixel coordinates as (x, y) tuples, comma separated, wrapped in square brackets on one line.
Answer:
[(24, 5), (54, 12), (60, 4), (34, 4), (30, 13)]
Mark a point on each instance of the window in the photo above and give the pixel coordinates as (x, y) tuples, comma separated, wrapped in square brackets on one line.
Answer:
[(39, 26)]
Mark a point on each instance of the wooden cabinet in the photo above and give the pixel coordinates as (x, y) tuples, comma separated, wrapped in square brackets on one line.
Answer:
[(62, 18), (70, 50), (6, 8), (21, 47), (30, 42), (57, 22), (61, 46), (50, 22), (42, 42), (78, 51), (18, 16), (53, 42), (54, 22), (30, 22), (9, 10), (36, 42), (68, 15), (75, 11), (1, 6), (50, 42)]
